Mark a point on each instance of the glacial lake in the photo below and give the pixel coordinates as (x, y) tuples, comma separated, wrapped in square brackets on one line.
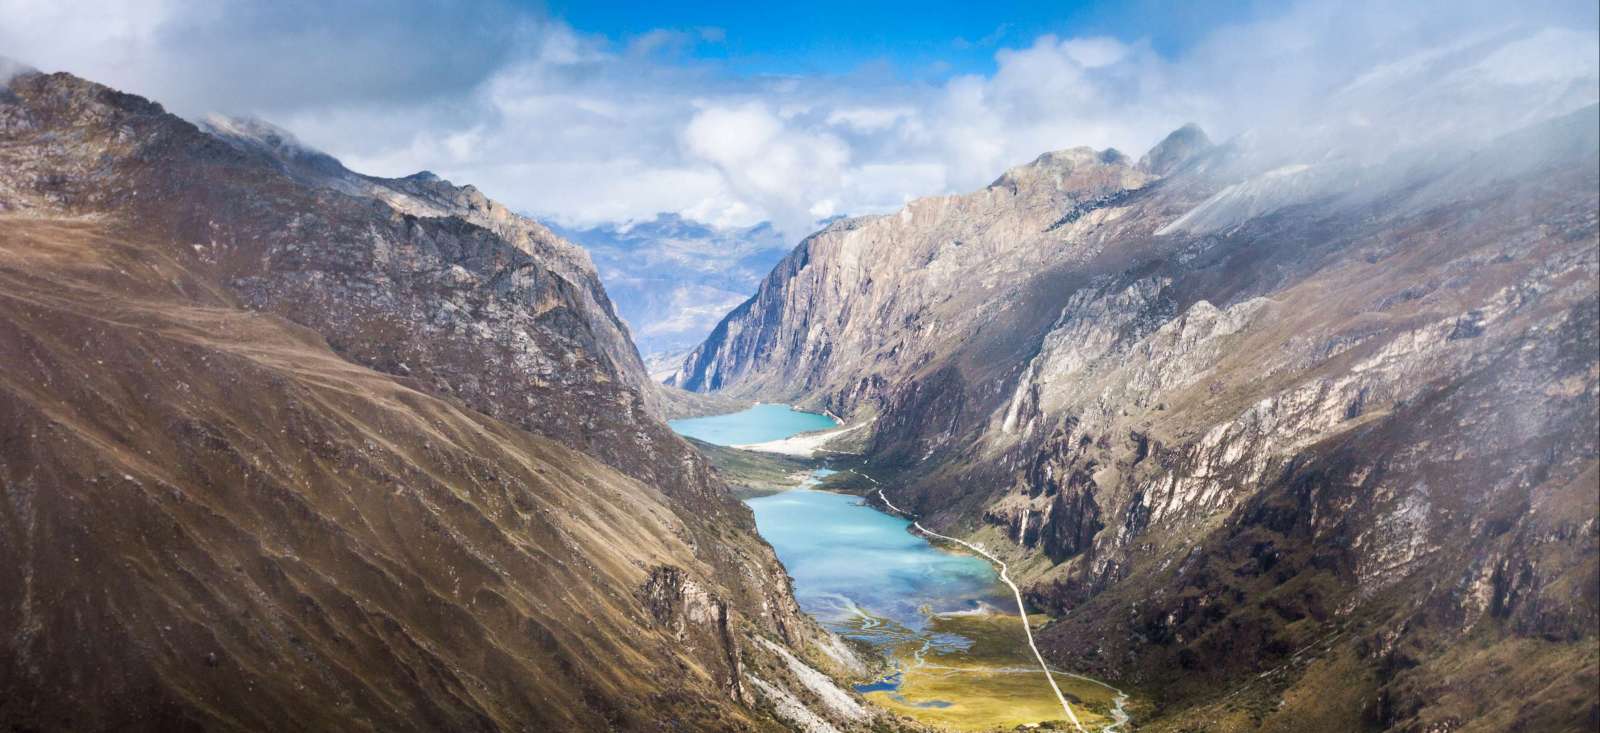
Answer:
[(758, 424), (957, 654), (856, 570), (853, 564)]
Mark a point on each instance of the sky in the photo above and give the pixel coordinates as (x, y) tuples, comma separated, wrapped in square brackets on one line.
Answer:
[(930, 40), (736, 113)]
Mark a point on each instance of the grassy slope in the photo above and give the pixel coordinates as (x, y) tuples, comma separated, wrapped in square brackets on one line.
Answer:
[(235, 528), (676, 403), (994, 685), (752, 473)]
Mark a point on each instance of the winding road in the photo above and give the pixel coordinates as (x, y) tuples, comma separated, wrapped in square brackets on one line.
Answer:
[(1022, 610)]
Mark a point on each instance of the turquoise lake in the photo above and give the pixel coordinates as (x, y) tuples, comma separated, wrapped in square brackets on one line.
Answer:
[(856, 570), (850, 562), (758, 424)]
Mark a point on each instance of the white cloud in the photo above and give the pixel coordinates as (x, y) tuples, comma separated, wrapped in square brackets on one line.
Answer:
[(1093, 53), (695, 309), (870, 119), (588, 129), (1550, 55), (785, 171)]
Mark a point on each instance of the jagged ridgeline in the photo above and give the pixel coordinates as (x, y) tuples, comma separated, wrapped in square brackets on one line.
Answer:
[(285, 447), (1292, 444)]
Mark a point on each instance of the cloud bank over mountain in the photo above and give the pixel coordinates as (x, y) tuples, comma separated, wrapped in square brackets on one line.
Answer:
[(589, 129), (672, 279)]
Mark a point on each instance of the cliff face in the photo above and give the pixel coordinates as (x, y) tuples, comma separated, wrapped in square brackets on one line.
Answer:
[(424, 195), (283, 446), (1251, 428), (874, 298)]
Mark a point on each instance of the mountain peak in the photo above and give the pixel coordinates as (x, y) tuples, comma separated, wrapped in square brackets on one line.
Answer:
[(1179, 147), (1061, 166), (255, 135)]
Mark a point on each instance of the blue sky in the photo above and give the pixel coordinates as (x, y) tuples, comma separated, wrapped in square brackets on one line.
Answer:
[(929, 40)]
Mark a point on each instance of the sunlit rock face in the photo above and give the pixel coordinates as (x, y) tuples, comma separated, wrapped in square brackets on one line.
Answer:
[(885, 291), (1243, 406)]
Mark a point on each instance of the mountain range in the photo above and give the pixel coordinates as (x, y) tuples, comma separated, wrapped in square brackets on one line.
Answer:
[(1294, 438), (673, 278), (1297, 430)]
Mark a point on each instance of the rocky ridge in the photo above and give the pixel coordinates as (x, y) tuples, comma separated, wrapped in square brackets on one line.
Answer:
[(288, 447)]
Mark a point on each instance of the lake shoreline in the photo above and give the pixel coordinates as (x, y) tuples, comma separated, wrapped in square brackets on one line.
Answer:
[(929, 610)]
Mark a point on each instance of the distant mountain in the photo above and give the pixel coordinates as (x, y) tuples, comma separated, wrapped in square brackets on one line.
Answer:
[(286, 447), (1292, 438), (673, 278)]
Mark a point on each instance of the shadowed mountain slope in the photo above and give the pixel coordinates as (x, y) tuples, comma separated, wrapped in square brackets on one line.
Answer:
[(283, 447)]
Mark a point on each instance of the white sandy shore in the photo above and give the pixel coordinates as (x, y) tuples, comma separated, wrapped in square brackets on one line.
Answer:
[(804, 445)]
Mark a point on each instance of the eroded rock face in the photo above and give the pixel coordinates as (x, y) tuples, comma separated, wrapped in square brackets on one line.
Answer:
[(696, 616), (1242, 412), (1054, 509)]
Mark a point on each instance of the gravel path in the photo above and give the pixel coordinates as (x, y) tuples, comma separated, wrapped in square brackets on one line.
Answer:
[(1021, 610)]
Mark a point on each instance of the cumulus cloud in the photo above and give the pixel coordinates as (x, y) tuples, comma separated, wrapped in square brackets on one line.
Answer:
[(787, 172), (587, 129)]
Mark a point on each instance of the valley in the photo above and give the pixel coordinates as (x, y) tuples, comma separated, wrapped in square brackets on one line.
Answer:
[(943, 621), (834, 383)]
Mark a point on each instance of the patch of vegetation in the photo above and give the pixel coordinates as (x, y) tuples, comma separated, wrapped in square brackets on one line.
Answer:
[(751, 473), (843, 481), (994, 684)]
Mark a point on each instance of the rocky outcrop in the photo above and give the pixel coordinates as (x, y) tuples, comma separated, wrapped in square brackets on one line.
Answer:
[(1059, 514), (471, 271), (694, 615), (1183, 145), (1266, 424)]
